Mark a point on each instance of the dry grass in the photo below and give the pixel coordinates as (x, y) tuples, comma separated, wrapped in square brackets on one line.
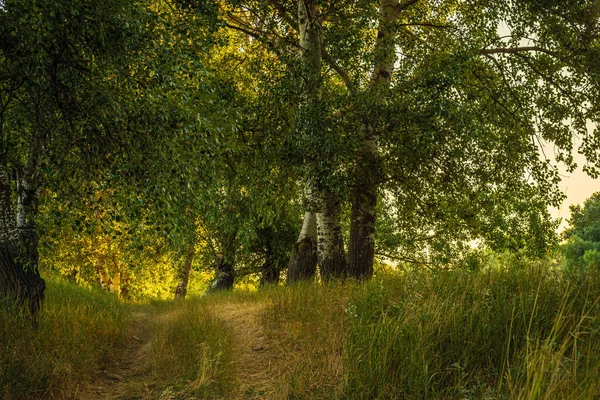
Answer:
[(305, 325), (80, 331), (516, 333)]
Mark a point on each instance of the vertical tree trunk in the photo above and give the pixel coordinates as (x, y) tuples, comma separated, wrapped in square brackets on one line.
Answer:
[(303, 261), (332, 258), (184, 276), (321, 204), (364, 194), (19, 275), (224, 265)]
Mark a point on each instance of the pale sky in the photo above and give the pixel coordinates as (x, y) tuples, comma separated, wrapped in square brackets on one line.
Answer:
[(578, 186)]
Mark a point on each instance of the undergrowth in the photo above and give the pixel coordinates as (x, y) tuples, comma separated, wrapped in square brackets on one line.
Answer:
[(516, 332), (523, 333), (79, 330), (190, 351)]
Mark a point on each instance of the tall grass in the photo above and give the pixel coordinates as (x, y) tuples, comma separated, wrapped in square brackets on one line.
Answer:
[(77, 333), (190, 352), (523, 332), (306, 325), (518, 333)]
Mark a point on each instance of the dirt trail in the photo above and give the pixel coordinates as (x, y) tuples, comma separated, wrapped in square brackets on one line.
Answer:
[(251, 353), (125, 377)]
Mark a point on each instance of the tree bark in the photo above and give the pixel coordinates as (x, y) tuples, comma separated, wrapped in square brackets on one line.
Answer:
[(303, 261), (224, 265), (332, 258), (19, 276), (224, 276), (364, 195), (270, 270), (184, 276)]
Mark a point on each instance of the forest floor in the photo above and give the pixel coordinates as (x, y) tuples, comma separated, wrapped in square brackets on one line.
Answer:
[(128, 375)]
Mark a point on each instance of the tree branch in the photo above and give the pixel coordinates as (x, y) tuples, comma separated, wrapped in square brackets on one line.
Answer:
[(402, 6), (404, 259), (517, 50), (340, 71), (284, 14)]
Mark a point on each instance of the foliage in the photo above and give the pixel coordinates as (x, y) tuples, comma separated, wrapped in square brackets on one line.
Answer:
[(583, 236)]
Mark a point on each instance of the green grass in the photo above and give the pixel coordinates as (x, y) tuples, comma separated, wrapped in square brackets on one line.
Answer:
[(521, 333), (78, 331), (307, 326), (190, 351)]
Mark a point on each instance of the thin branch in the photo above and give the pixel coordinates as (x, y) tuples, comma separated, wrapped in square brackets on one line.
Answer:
[(517, 50), (403, 259), (284, 14), (340, 71), (427, 24), (255, 34)]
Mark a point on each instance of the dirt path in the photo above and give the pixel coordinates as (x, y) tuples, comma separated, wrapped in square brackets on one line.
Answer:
[(127, 377), (251, 353), (124, 377)]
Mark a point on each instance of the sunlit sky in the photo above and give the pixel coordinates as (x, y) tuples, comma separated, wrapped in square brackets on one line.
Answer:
[(577, 185)]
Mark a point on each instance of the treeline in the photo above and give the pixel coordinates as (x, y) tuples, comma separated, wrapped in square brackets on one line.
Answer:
[(140, 136)]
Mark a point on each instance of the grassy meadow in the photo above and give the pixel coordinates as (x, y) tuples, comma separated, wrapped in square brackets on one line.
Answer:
[(521, 332)]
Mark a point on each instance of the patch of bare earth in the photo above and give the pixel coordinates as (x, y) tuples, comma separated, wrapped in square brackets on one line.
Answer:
[(252, 354), (125, 377)]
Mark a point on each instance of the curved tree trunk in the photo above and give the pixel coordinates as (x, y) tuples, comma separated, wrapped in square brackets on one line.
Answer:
[(270, 270), (364, 195), (303, 261), (224, 265), (19, 276), (184, 276)]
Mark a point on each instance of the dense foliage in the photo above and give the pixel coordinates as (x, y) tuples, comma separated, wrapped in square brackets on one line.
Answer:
[(582, 249), (146, 139)]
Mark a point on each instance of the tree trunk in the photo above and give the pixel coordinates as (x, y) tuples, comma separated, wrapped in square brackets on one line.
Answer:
[(27, 211), (19, 276), (184, 278), (269, 272), (324, 243), (303, 261), (364, 195), (224, 265), (332, 259), (224, 276)]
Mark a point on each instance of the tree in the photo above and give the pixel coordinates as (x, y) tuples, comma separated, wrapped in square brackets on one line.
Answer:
[(55, 62), (582, 248), (448, 135)]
